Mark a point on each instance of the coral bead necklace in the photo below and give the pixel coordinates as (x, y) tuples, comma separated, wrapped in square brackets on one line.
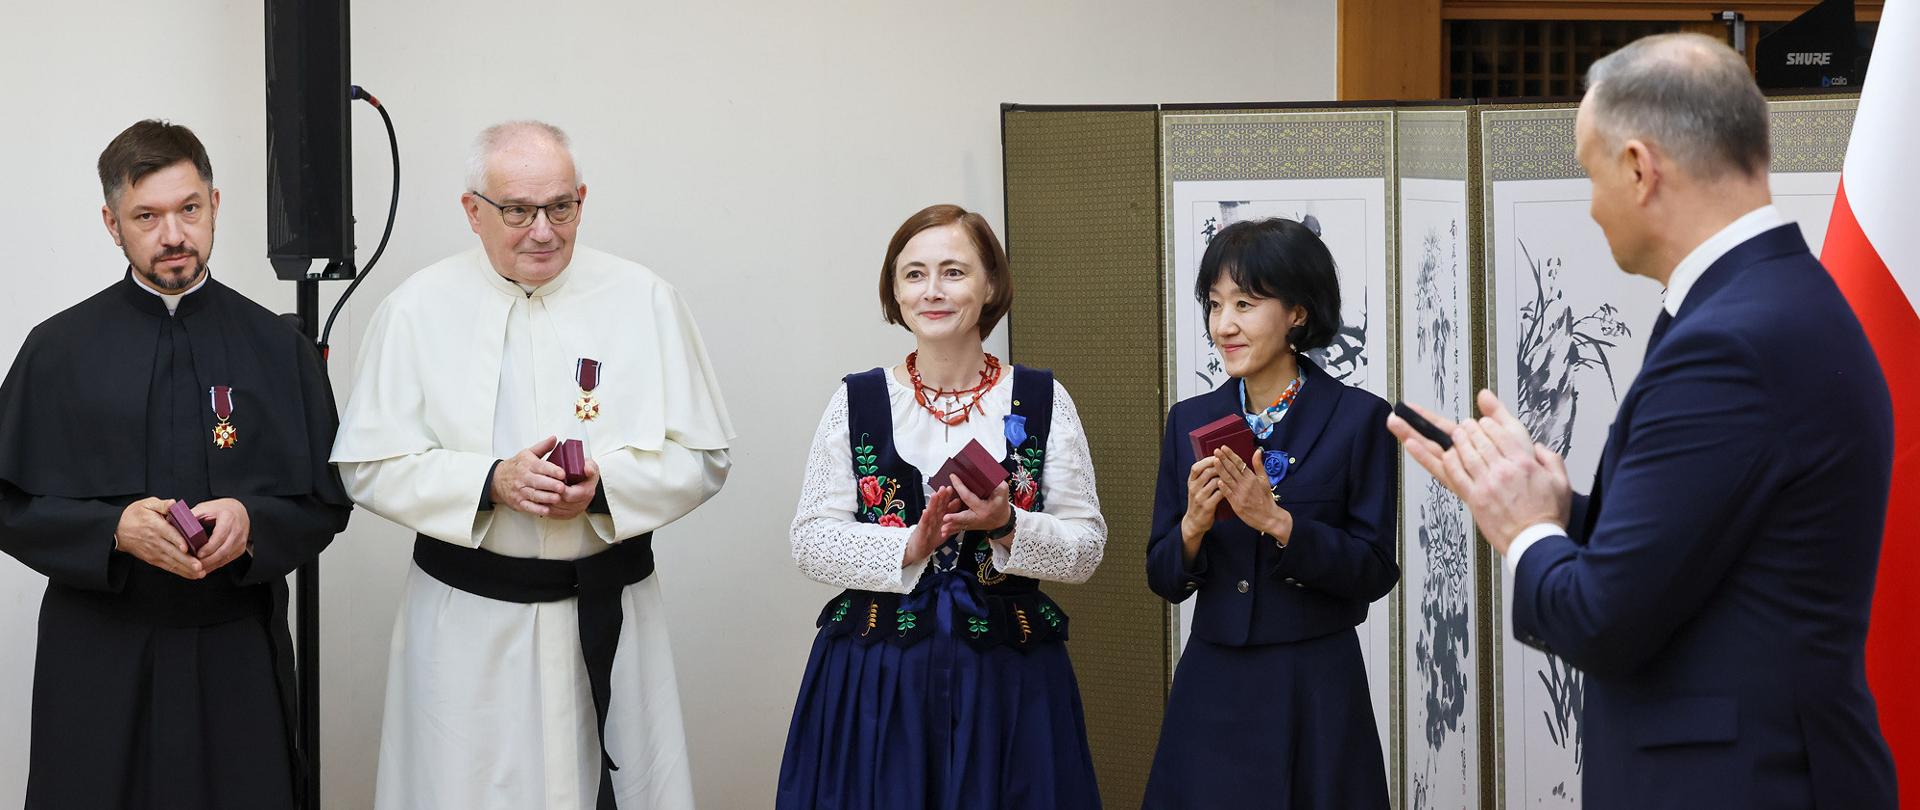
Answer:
[(963, 401)]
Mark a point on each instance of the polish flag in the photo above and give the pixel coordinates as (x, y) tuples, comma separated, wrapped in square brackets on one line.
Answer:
[(1873, 250)]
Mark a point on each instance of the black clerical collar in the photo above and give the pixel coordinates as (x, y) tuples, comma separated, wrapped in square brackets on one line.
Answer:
[(145, 299)]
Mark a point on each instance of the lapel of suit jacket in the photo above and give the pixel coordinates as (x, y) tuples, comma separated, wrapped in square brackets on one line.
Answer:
[(1221, 401), (1312, 410)]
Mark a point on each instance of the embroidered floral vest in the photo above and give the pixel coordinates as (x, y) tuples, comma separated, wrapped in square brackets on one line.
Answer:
[(998, 608)]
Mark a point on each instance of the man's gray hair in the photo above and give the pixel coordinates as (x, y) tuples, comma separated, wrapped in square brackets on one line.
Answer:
[(492, 138), (1688, 94)]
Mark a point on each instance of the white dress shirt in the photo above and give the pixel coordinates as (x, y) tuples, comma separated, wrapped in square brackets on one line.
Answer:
[(1685, 275)]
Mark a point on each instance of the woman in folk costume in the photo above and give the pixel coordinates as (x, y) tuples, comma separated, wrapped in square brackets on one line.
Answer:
[(1269, 706), (939, 678)]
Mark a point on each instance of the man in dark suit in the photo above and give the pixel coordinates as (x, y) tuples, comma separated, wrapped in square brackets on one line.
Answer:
[(1718, 597)]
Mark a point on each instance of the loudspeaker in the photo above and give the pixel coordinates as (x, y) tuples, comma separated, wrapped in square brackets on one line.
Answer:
[(309, 167), (1817, 49)]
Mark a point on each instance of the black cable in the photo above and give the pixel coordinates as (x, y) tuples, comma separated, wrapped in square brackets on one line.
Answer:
[(393, 208)]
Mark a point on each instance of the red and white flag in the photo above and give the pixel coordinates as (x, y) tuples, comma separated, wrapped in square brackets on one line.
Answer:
[(1873, 250)]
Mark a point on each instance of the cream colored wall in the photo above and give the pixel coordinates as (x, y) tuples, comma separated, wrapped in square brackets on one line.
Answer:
[(756, 154)]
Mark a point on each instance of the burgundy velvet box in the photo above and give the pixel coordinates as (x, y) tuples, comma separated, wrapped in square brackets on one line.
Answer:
[(571, 455), (976, 467), (1231, 432), (183, 520)]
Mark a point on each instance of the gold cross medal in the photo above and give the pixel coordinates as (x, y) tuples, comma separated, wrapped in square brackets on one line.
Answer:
[(586, 372), (225, 435)]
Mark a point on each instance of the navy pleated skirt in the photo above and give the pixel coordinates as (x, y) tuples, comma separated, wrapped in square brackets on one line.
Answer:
[(1281, 726), (937, 724)]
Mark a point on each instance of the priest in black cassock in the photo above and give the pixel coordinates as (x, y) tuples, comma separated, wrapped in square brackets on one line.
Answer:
[(164, 675)]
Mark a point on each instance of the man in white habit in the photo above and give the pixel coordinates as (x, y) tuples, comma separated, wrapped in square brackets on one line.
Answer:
[(530, 665)]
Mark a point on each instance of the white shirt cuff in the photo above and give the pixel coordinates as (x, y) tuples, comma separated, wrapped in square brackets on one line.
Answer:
[(1003, 557), (910, 575), (1529, 536)]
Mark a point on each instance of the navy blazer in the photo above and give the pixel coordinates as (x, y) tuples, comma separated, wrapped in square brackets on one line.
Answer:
[(1716, 584), (1342, 491)]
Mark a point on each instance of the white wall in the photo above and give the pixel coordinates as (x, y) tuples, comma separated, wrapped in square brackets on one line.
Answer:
[(758, 155)]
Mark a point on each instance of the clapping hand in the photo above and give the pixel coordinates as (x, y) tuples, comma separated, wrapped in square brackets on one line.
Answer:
[(926, 536), (1507, 480), (1251, 494)]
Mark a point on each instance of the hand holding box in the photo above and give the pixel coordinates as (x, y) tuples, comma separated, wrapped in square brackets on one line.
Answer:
[(571, 456), (976, 468), (183, 520), (1228, 431)]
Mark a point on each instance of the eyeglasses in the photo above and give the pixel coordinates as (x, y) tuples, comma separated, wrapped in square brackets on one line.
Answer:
[(520, 215)]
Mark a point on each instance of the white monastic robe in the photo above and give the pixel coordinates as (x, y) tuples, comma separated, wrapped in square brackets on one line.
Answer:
[(488, 703)]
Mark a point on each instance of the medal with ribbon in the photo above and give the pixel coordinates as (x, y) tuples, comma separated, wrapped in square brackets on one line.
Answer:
[(224, 433), (586, 372)]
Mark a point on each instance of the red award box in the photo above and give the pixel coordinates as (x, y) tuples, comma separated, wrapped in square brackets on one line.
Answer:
[(183, 520), (1231, 432), (571, 455), (976, 467)]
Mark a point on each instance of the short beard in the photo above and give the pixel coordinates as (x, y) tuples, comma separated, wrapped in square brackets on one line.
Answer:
[(155, 280)]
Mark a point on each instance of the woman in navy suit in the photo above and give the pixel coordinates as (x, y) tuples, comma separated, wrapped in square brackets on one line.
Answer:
[(1269, 707)]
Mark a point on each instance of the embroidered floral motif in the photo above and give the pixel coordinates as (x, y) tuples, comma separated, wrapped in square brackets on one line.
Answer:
[(987, 574), (840, 610), (879, 494), (1051, 614), (976, 626), (1025, 486), (905, 619)]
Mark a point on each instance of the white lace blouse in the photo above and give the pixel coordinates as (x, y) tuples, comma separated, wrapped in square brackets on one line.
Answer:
[(1063, 543)]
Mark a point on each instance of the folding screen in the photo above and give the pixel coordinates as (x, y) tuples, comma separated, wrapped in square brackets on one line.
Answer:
[(1082, 231), (1440, 556)]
